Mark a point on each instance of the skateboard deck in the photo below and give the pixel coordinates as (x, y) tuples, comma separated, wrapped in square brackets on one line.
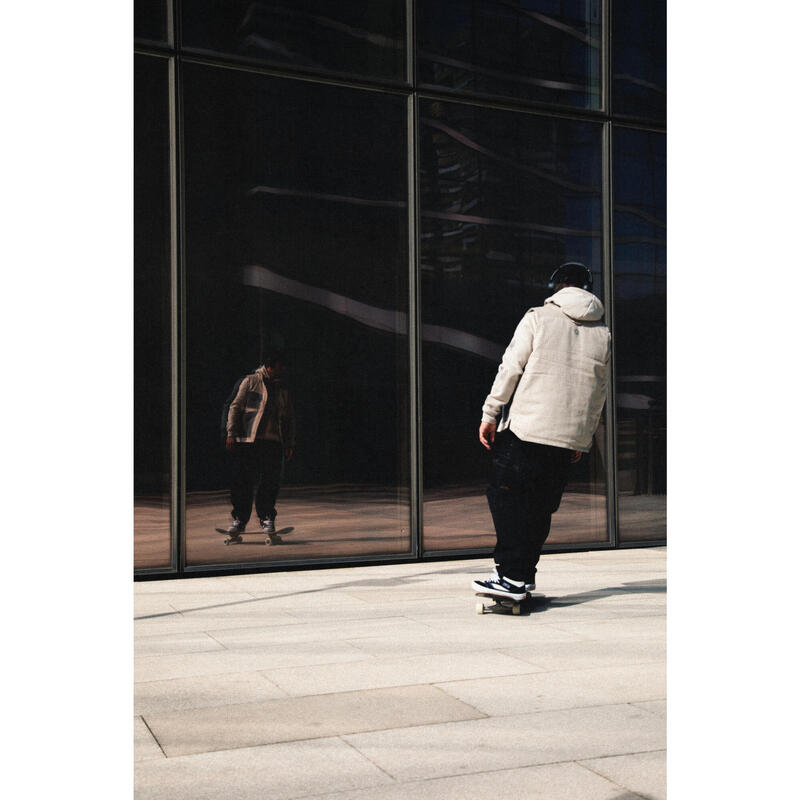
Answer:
[(237, 539), (492, 604)]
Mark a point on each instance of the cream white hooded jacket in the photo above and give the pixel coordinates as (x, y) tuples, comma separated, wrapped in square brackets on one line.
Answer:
[(561, 351)]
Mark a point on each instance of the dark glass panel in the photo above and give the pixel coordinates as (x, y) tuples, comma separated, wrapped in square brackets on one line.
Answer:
[(640, 278), (506, 198), (297, 239), (537, 50), (151, 293), (639, 80), (354, 37), (150, 20)]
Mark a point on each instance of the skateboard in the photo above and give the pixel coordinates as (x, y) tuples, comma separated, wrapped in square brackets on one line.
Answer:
[(273, 538), (502, 605)]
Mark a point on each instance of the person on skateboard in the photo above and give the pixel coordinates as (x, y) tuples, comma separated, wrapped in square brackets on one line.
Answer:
[(260, 434), (539, 417)]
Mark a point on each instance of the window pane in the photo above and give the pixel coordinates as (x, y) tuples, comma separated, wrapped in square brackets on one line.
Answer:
[(355, 37), (151, 292), (640, 277), (506, 198), (640, 58), (150, 20), (537, 50), (297, 240)]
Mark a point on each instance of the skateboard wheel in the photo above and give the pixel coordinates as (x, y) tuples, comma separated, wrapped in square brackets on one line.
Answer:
[(479, 608), (515, 610)]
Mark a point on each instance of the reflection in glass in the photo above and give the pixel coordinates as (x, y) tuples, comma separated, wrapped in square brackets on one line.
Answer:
[(152, 291), (532, 50), (505, 198), (297, 240), (640, 276), (639, 60), (150, 20), (353, 37)]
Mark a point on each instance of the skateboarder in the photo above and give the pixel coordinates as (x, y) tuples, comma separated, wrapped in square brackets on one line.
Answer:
[(260, 434), (539, 417)]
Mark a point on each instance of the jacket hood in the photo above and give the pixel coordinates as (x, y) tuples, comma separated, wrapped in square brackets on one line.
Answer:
[(578, 304), (262, 371)]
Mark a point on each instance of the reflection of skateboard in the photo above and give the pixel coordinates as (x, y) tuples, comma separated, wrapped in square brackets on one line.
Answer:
[(234, 538), (503, 605)]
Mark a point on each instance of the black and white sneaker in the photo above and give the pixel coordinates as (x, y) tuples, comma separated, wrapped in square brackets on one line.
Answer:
[(500, 587)]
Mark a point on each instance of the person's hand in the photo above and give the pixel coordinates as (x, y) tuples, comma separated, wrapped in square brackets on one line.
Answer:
[(486, 434), (229, 443), (576, 457), (288, 453)]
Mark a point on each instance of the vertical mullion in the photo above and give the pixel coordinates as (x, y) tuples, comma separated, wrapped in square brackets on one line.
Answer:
[(415, 417), (179, 316), (605, 57), (415, 427), (612, 509), (174, 442)]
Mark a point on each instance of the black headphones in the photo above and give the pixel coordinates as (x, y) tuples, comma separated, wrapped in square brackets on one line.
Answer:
[(571, 272)]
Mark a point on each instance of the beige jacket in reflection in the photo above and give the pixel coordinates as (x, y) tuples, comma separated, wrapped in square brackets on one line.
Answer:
[(562, 351), (247, 409)]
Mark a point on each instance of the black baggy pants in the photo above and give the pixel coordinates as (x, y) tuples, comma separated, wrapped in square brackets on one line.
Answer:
[(256, 466), (525, 490)]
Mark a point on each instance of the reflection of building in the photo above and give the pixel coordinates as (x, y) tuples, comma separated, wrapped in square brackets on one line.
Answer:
[(385, 208)]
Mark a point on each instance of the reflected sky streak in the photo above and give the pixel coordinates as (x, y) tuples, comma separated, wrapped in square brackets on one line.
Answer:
[(382, 319)]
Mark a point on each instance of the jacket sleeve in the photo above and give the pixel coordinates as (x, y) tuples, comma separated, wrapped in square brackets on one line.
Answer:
[(511, 367), (234, 426)]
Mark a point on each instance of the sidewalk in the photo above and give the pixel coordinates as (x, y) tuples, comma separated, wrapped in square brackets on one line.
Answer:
[(381, 683)]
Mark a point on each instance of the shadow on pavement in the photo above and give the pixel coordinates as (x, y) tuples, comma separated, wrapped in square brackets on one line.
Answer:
[(539, 603)]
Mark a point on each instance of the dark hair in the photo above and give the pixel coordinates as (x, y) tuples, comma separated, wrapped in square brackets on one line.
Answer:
[(272, 357), (573, 273)]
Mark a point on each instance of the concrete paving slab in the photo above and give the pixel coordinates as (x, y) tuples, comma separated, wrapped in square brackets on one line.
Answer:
[(166, 644), (652, 627), (657, 707), (152, 604), (320, 631), (325, 630), (220, 605), (144, 745), (176, 622), (275, 772), (155, 668), (229, 727), (545, 691), (182, 694), (377, 673), (196, 586), (558, 654), (643, 773), (494, 743), (550, 782)]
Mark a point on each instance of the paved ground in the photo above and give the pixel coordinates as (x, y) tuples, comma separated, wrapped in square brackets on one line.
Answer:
[(381, 683)]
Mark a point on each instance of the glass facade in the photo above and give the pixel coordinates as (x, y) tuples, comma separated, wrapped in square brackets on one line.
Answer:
[(152, 294), (640, 314), (308, 256), (371, 195), (538, 50), (349, 37), (639, 58), (504, 196)]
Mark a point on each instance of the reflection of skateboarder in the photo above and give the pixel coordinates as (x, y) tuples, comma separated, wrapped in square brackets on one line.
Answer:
[(550, 388), (260, 434)]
